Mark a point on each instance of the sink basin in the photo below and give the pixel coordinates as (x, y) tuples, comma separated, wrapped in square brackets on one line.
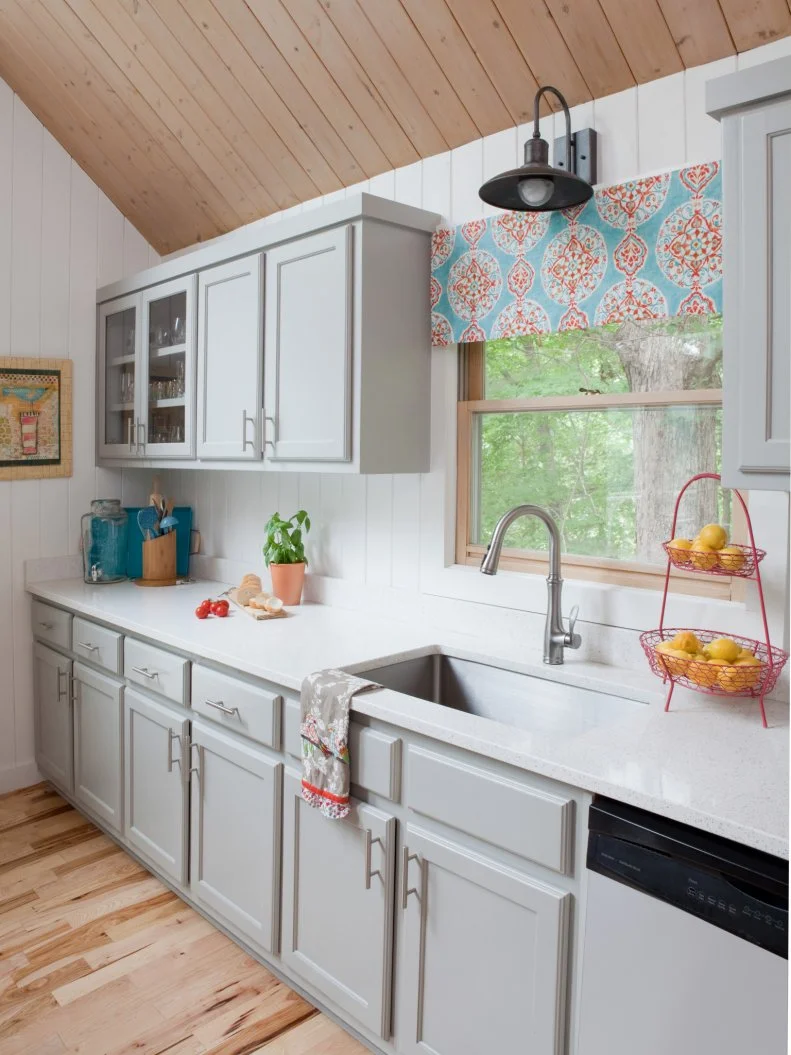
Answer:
[(525, 701)]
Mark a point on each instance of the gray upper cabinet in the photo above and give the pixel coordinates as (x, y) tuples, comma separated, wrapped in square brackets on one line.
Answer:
[(98, 745), (755, 109), (52, 693), (235, 834), (230, 360), (119, 378), (309, 332), (338, 904), (156, 799), (477, 934)]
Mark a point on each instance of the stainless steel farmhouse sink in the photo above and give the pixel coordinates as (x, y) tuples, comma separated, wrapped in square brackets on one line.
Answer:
[(511, 697)]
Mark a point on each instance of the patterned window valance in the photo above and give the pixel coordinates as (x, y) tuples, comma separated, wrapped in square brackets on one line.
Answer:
[(646, 249)]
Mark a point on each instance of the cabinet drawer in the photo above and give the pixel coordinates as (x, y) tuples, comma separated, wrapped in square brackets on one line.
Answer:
[(236, 705), (51, 624), (505, 811), (156, 670), (375, 756), (96, 644)]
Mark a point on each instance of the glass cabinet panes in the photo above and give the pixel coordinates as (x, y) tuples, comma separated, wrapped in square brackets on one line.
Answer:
[(119, 373), (167, 353)]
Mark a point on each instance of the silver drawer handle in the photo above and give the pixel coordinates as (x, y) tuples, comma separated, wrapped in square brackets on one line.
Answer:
[(63, 693), (145, 672), (218, 705), (406, 890), (46, 626), (87, 646), (369, 841)]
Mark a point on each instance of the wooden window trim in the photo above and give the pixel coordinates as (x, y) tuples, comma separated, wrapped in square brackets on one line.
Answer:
[(590, 569)]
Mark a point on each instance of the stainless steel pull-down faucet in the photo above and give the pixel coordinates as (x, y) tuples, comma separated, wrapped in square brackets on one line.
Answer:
[(556, 638)]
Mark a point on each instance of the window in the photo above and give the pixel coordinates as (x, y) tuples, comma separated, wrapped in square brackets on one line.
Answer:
[(602, 427)]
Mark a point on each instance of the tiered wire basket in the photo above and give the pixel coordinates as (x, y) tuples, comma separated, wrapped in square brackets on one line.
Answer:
[(716, 679)]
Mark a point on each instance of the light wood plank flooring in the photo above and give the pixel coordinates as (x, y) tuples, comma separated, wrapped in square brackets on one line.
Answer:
[(97, 957)]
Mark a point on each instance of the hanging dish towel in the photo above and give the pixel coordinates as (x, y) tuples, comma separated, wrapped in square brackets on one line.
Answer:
[(325, 701)]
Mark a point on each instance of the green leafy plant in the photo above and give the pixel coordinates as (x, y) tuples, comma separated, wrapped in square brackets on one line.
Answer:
[(284, 543)]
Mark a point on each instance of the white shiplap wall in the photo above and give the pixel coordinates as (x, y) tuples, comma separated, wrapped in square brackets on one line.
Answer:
[(396, 531), (60, 238)]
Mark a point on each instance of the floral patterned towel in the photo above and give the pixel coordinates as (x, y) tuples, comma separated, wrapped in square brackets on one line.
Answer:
[(325, 701)]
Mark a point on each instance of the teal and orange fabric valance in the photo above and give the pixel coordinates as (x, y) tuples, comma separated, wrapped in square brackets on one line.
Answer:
[(649, 248)]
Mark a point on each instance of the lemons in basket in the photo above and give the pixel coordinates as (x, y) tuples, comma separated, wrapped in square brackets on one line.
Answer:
[(740, 676), (724, 650), (703, 556), (731, 558), (678, 550), (686, 641)]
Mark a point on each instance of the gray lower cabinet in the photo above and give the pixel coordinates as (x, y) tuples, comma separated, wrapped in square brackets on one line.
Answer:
[(98, 745), (338, 896), (235, 834), (481, 954), (156, 800), (52, 694)]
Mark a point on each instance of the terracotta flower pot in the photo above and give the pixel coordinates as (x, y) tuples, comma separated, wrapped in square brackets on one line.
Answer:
[(287, 582)]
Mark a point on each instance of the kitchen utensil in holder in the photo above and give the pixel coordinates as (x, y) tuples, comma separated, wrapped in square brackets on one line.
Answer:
[(754, 682), (159, 561)]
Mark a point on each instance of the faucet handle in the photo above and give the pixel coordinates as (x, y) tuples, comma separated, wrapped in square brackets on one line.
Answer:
[(573, 640)]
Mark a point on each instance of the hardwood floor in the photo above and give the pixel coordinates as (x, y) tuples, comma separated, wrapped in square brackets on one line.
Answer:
[(97, 957)]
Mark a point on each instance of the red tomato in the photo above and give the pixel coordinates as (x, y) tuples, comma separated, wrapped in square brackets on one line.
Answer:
[(220, 608), (202, 611)]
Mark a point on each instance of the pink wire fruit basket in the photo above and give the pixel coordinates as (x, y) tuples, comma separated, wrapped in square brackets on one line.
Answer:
[(712, 677)]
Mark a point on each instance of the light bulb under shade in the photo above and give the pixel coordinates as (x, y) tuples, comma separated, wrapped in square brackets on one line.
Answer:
[(535, 190), (505, 190)]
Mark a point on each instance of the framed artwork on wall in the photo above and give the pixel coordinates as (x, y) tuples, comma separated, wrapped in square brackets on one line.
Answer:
[(35, 418)]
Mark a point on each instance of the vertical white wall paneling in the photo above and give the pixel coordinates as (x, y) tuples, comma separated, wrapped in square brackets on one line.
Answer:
[(409, 184), (329, 552), (7, 740), (777, 49), (379, 536), (383, 185), (55, 282), (310, 501), (661, 134), (354, 510), (466, 177), (500, 153), (50, 242), (436, 184), (406, 532), (26, 191), (703, 133), (615, 119)]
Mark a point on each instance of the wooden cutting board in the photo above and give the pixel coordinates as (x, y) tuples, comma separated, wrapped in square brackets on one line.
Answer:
[(256, 613)]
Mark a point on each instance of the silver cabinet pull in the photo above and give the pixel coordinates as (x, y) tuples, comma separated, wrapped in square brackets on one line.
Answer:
[(196, 769), (245, 442), (87, 646), (406, 890), (46, 626), (269, 443), (145, 672), (369, 841), (171, 737), (141, 443), (131, 436), (61, 691), (218, 705)]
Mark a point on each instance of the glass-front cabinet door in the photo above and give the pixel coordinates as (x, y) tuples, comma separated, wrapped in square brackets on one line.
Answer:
[(167, 399), (119, 361)]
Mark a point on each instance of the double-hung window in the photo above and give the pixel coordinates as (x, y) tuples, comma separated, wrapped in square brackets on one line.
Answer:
[(602, 427)]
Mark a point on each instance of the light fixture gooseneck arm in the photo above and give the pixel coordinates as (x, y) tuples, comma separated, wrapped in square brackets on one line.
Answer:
[(536, 133)]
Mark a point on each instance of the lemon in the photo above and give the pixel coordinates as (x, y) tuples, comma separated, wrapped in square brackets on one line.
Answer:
[(702, 672), (664, 646), (703, 556), (686, 641), (731, 558), (678, 550), (724, 649), (745, 653), (749, 672), (713, 535), (674, 660)]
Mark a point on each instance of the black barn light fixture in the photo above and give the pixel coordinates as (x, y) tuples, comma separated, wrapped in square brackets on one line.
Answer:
[(537, 186)]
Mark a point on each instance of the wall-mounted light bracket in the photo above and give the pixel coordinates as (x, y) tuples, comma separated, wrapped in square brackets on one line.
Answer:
[(584, 154)]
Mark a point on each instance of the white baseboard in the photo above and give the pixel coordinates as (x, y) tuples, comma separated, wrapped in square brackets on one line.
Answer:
[(15, 777)]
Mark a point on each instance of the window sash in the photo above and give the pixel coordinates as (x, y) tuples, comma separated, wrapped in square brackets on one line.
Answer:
[(598, 569)]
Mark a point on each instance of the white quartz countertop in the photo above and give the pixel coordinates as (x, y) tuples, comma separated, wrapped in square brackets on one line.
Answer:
[(708, 762)]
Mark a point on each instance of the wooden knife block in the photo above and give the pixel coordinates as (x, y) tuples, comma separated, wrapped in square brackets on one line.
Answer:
[(159, 561)]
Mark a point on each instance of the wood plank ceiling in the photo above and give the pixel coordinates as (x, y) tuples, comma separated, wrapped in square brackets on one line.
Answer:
[(196, 116)]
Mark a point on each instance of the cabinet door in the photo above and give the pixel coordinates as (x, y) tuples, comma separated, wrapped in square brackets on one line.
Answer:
[(338, 904), (235, 834), (98, 745), (52, 689), (168, 369), (757, 411), (230, 358), (307, 389), (120, 348), (482, 955), (156, 795)]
